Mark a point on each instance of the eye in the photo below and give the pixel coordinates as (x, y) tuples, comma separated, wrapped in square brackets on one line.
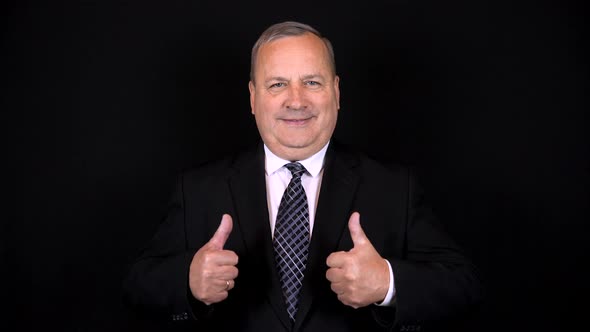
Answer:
[(277, 85), (312, 85)]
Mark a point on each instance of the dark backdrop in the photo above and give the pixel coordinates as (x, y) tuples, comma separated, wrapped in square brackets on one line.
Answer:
[(104, 102)]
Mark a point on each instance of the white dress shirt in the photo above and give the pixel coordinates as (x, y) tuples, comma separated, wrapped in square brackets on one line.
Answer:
[(278, 177)]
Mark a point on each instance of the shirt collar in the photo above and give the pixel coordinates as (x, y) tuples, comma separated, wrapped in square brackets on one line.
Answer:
[(313, 164)]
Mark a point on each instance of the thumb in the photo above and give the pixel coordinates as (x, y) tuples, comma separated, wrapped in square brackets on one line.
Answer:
[(222, 232), (356, 232)]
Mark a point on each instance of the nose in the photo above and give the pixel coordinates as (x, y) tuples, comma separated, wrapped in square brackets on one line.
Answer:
[(296, 98)]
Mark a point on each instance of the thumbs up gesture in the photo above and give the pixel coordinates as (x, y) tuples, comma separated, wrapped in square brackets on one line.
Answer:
[(213, 269), (359, 276)]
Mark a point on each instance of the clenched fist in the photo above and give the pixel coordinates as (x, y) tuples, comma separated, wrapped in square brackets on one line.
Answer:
[(213, 270), (359, 276)]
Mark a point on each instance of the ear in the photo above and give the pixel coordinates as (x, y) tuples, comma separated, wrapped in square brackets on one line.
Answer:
[(337, 90), (252, 89)]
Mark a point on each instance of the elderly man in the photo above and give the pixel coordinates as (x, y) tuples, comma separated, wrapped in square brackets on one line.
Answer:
[(300, 234)]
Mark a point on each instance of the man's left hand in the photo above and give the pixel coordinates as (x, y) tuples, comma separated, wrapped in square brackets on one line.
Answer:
[(359, 276)]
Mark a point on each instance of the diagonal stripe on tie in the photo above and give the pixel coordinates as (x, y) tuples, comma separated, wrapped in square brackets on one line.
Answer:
[(291, 238)]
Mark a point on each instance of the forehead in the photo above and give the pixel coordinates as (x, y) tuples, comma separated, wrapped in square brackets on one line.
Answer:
[(293, 53)]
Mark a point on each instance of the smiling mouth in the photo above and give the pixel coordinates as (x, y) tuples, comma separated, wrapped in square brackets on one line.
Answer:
[(296, 122)]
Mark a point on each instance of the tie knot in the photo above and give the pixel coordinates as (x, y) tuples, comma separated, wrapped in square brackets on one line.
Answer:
[(296, 169)]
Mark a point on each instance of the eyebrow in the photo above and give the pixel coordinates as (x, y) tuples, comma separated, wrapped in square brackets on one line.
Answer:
[(275, 78), (284, 79), (307, 77)]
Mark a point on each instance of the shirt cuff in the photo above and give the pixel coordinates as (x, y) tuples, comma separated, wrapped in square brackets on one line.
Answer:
[(388, 301)]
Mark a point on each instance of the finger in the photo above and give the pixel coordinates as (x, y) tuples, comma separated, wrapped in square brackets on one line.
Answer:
[(334, 275), (337, 288), (336, 259), (219, 285), (222, 232), (227, 285), (227, 273), (356, 231), (218, 297), (226, 257), (346, 300), (224, 285)]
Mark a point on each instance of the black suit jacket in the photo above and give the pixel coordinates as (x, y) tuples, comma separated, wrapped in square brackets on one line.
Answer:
[(433, 280)]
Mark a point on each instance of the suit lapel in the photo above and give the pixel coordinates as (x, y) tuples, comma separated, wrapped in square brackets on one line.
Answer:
[(248, 188), (338, 188)]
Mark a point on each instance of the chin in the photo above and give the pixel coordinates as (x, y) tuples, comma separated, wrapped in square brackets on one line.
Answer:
[(297, 145)]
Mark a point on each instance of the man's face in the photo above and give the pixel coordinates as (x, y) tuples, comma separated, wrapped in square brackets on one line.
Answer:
[(296, 97)]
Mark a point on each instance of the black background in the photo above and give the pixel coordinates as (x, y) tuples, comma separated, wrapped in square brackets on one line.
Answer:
[(104, 102)]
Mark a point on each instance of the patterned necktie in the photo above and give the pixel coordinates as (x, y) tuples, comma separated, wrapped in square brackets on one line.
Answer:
[(291, 238)]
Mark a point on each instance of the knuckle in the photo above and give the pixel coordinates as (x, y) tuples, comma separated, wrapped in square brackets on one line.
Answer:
[(352, 260), (350, 276), (350, 290), (207, 273), (206, 259)]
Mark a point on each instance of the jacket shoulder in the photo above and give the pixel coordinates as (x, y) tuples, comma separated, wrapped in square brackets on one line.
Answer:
[(371, 166), (220, 168)]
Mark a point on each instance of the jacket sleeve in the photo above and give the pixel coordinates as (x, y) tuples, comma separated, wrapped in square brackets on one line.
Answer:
[(436, 284), (157, 281)]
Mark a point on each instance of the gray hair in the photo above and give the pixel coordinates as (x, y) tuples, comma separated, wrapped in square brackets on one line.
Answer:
[(288, 29)]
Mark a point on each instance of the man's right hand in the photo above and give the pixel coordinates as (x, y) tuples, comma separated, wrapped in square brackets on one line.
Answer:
[(213, 270)]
